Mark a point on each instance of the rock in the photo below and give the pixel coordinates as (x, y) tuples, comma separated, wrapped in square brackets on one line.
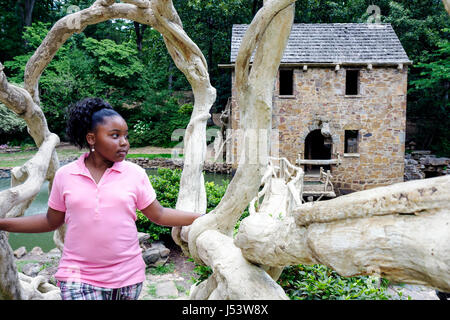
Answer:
[(31, 269), (439, 161), (48, 273), (413, 170), (143, 237), (166, 289), (422, 164), (164, 252), (20, 252), (151, 256), (413, 292), (55, 253), (419, 153), (431, 160), (178, 164), (156, 255), (36, 251), (5, 172)]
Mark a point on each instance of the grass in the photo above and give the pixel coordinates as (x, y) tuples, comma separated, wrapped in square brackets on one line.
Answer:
[(166, 268), (9, 160), (22, 263), (152, 290), (19, 158)]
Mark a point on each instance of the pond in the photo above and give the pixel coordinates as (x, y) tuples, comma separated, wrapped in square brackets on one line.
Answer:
[(39, 205)]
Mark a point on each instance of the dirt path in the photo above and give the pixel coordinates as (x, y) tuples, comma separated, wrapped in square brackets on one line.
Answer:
[(175, 284)]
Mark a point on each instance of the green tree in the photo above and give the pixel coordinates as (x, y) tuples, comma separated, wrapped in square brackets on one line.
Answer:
[(12, 127), (432, 86)]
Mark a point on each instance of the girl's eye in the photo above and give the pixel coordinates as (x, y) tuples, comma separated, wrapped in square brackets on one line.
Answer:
[(115, 135)]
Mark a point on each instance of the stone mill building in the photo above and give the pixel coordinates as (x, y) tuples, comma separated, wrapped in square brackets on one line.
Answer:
[(339, 102)]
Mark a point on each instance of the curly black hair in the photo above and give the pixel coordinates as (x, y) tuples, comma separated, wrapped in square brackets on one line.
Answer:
[(84, 116)]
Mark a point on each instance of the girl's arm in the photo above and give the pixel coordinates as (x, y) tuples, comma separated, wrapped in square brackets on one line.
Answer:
[(35, 223), (167, 216)]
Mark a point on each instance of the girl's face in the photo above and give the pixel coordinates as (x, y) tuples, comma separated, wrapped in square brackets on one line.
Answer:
[(110, 139)]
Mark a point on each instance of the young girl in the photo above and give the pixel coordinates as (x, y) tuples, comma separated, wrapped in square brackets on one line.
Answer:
[(97, 197)]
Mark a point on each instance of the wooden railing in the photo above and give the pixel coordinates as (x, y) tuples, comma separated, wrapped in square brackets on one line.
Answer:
[(324, 162), (281, 168)]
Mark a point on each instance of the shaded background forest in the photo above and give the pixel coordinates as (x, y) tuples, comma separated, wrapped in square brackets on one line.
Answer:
[(128, 64)]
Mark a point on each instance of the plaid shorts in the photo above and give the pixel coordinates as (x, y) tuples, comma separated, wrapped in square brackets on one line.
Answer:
[(84, 291)]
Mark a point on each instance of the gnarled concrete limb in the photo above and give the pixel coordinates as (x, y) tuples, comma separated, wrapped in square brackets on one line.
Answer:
[(412, 197), (35, 170), (268, 33), (27, 179), (38, 288), (9, 281), (447, 5), (405, 246), (190, 60), (233, 277)]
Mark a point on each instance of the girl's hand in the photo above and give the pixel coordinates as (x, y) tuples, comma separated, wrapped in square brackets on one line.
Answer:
[(167, 216)]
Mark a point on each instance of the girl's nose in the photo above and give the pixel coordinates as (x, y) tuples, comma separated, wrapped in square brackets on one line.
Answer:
[(123, 141)]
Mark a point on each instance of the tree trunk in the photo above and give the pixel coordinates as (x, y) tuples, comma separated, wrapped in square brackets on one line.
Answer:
[(28, 14), (139, 29)]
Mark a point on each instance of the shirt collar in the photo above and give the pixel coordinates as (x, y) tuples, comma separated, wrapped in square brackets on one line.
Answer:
[(80, 167)]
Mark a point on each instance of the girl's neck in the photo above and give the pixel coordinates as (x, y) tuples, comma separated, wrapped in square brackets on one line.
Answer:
[(96, 161)]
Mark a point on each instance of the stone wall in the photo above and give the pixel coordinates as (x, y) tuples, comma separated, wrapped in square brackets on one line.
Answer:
[(422, 164), (378, 112), (214, 167)]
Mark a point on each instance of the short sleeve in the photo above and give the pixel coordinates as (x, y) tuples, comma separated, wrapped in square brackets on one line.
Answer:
[(146, 194), (56, 199)]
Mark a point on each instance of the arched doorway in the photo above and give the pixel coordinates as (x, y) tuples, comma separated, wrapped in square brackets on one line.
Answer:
[(317, 147)]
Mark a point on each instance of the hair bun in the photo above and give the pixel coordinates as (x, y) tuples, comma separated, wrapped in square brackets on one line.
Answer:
[(80, 120)]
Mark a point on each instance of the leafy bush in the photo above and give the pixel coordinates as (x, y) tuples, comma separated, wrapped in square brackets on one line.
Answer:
[(167, 186), (87, 67), (202, 272), (10, 123), (317, 282), (154, 121)]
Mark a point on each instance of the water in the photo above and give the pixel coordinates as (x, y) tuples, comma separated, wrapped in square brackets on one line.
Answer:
[(31, 240), (39, 205)]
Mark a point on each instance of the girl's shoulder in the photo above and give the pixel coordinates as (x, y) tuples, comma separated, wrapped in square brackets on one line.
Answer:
[(132, 167), (68, 168)]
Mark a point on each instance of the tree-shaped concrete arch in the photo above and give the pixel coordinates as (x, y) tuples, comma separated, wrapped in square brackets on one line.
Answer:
[(28, 179), (400, 232)]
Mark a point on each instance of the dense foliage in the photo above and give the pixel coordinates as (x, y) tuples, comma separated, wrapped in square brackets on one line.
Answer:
[(167, 185), (11, 126), (317, 282)]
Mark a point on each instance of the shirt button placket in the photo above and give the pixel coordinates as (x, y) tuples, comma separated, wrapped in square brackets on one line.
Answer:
[(97, 203)]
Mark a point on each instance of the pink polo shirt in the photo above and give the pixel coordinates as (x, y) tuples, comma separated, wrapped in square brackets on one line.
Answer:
[(101, 246)]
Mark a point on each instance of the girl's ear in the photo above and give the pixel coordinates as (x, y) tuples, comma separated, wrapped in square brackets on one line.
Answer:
[(90, 138)]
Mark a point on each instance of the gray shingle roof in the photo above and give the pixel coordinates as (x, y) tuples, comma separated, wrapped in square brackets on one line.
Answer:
[(335, 43)]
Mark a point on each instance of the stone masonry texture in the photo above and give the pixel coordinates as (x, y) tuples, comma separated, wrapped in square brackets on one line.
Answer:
[(378, 112)]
